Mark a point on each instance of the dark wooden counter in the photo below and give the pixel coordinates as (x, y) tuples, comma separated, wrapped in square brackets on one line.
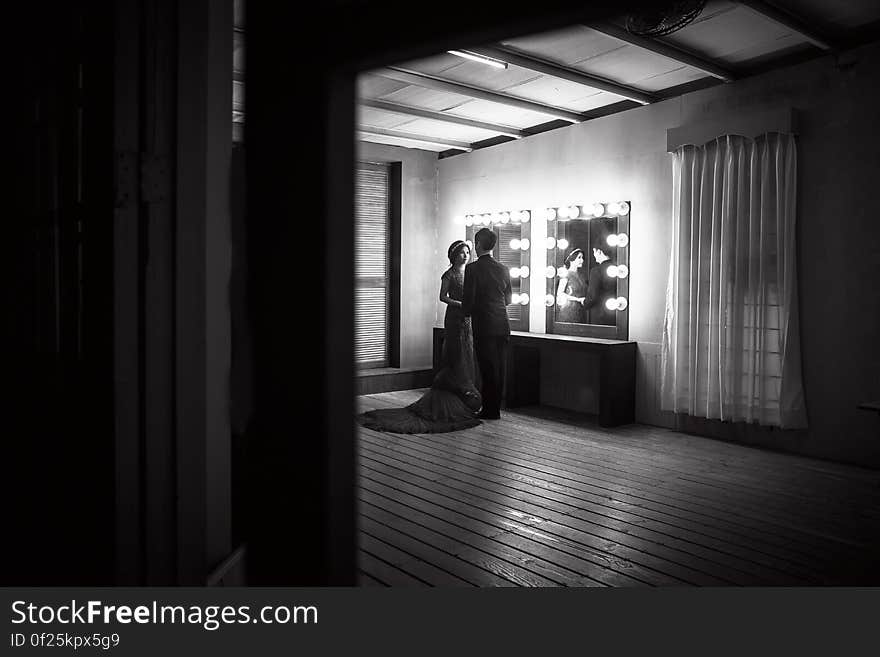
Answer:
[(616, 362)]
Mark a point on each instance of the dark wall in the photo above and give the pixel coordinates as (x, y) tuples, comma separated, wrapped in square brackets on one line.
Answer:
[(58, 277)]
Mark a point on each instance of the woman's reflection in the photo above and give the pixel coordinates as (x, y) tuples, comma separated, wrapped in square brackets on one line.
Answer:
[(571, 293)]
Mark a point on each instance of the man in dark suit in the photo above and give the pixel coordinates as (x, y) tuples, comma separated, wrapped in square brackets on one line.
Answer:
[(487, 291)]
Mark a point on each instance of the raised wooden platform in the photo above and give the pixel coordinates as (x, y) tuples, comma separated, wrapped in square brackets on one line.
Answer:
[(548, 498)]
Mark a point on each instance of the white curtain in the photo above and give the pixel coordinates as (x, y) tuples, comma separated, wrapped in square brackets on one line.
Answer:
[(731, 347)]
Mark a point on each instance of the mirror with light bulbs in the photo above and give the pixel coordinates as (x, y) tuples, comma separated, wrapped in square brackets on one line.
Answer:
[(513, 250), (588, 269)]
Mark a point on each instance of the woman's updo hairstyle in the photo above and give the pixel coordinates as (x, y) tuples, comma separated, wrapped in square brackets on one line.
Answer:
[(454, 248), (571, 256)]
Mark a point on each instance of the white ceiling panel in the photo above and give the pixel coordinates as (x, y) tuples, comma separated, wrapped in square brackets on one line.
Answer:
[(380, 119), (442, 130), (474, 73), (435, 65), (737, 32), (375, 86), (553, 91), (566, 46), (406, 143), (673, 78), (484, 110), (426, 98), (782, 46), (627, 65), (595, 101)]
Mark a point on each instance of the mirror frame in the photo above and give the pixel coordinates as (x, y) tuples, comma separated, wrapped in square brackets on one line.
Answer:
[(619, 331)]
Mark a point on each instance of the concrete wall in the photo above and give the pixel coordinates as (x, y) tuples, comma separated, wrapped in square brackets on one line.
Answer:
[(422, 261), (623, 157)]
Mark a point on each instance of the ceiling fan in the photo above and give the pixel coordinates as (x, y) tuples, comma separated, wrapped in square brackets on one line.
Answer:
[(665, 19)]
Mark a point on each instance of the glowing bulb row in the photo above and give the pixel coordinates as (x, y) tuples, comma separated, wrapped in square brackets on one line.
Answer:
[(521, 299), (614, 271), (620, 240), (520, 272), (620, 303), (520, 244), (586, 211), (618, 271), (489, 218)]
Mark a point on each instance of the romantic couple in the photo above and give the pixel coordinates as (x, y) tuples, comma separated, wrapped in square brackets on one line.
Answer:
[(463, 392)]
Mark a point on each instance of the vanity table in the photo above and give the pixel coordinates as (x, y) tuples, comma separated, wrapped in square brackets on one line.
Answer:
[(616, 362)]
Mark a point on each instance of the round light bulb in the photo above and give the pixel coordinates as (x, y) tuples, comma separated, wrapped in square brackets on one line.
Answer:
[(514, 297), (622, 303), (485, 219), (495, 218), (525, 244), (611, 270), (573, 211), (611, 239), (524, 299), (611, 303), (622, 208), (550, 242), (550, 272), (562, 243), (550, 214), (469, 220), (504, 217), (622, 271), (622, 240), (562, 272), (514, 272), (524, 216), (524, 271), (549, 300), (598, 210), (515, 243), (613, 208)]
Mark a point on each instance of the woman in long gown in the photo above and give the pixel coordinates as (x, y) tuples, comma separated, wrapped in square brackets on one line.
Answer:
[(454, 398), (572, 290)]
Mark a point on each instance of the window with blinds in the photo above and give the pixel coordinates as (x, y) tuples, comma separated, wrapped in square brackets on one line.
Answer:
[(372, 264)]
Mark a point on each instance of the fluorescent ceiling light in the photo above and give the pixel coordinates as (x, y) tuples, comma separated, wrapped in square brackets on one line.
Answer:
[(497, 63)]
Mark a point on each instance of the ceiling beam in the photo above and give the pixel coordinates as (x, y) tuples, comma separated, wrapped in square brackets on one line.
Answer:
[(441, 84), (666, 50), (545, 67), (406, 110), (397, 134), (788, 21)]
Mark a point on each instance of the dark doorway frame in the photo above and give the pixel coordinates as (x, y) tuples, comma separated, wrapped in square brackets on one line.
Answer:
[(301, 442)]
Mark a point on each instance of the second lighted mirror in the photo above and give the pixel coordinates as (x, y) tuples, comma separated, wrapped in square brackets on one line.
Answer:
[(588, 270)]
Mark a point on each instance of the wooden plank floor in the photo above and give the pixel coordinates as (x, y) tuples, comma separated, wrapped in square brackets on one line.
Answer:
[(545, 497)]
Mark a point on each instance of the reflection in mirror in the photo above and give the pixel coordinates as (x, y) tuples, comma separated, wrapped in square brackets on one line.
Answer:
[(584, 284), (588, 269)]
